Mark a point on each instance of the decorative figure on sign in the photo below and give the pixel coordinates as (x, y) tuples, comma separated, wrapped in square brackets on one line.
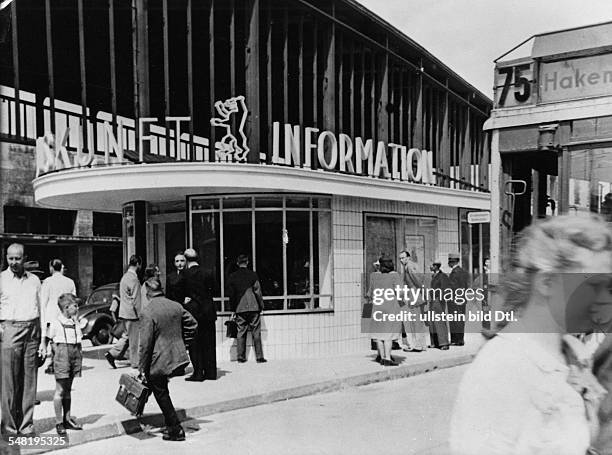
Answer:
[(233, 145)]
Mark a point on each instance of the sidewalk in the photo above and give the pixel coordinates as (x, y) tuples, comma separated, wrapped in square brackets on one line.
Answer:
[(238, 386)]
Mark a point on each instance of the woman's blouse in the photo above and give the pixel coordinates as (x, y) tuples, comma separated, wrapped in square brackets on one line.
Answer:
[(515, 399)]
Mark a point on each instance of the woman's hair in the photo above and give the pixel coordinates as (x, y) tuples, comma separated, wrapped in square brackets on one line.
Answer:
[(150, 271), (554, 246), (386, 265)]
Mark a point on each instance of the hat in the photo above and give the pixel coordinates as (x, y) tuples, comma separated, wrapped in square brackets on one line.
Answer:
[(436, 263), (454, 256)]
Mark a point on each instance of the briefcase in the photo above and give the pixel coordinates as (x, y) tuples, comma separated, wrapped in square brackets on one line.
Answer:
[(132, 394)]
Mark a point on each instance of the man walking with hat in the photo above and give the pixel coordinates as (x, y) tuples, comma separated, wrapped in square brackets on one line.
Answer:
[(459, 279)]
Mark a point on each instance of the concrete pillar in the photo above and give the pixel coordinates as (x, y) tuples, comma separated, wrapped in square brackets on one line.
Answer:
[(85, 263)]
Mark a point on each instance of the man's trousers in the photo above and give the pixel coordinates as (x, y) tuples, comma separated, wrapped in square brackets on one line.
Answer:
[(249, 320), (20, 342)]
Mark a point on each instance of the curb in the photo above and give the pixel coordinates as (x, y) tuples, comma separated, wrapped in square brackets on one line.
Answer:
[(131, 426)]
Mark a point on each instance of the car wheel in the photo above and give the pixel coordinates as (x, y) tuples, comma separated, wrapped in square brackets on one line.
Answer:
[(102, 334)]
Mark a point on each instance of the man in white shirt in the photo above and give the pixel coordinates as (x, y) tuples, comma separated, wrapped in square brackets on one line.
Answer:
[(54, 286), (20, 332)]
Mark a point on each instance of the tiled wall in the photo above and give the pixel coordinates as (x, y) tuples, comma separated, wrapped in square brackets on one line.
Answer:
[(337, 333)]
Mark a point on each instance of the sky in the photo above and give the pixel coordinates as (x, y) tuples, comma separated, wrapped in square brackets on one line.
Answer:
[(467, 35)]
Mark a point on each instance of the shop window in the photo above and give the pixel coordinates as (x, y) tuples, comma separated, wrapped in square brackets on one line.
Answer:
[(590, 183), (107, 224), (206, 241), (386, 236), (475, 244), (32, 220), (287, 237)]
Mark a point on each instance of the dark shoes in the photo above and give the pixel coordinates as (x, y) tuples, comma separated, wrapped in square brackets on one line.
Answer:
[(110, 359), (70, 424), (379, 360), (61, 431), (174, 434), (444, 348), (262, 360), (458, 343), (389, 363), (241, 360), (195, 378)]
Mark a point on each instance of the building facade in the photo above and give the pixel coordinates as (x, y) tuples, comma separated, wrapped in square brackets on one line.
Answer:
[(551, 131), (310, 135)]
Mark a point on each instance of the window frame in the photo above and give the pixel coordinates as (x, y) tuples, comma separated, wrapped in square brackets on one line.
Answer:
[(253, 209)]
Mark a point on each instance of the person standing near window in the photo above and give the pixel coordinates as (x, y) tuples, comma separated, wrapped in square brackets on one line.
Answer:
[(174, 280), (50, 291), (459, 280), (21, 343), (130, 305), (246, 304), (416, 330), (383, 330), (198, 301)]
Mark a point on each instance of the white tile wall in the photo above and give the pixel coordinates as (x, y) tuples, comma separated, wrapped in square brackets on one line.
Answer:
[(337, 333)]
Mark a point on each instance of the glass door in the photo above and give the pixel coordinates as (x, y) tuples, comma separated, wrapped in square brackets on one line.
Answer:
[(167, 237)]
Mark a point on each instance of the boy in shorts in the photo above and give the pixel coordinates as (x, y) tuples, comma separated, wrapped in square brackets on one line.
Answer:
[(66, 335)]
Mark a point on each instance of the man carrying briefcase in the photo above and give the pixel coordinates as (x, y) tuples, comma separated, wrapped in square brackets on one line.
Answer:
[(162, 350)]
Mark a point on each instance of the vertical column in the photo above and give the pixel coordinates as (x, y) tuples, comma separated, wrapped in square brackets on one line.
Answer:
[(286, 64), (190, 151), (166, 78), (495, 225), (329, 81), (340, 59), (563, 172), (16, 77), (83, 76), (484, 162), (140, 43), (466, 151), (111, 62), (382, 130), (49, 40), (418, 112), (301, 70), (444, 151), (135, 230), (252, 61), (211, 75)]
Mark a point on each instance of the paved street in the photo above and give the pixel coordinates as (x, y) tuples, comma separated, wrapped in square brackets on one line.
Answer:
[(406, 416)]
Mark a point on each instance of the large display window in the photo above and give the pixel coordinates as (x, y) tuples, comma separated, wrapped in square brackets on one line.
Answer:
[(287, 238), (590, 182)]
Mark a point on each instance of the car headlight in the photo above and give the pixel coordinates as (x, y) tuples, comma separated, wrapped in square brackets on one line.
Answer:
[(83, 322)]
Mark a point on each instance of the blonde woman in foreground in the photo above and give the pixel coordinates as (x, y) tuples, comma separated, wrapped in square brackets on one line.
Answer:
[(530, 390)]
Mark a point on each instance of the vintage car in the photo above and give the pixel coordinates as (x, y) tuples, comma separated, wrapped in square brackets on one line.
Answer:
[(95, 315)]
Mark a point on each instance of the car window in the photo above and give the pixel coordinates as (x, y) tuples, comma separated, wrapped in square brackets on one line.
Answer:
[(101, 296)]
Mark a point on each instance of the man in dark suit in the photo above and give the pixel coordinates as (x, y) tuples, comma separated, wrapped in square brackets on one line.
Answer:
[(199, 302), (246, 304), (459, 279), (163, 323), (174, 281), (439, 329)]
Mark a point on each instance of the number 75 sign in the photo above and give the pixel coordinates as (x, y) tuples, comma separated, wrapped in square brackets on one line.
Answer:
[(514, 85)]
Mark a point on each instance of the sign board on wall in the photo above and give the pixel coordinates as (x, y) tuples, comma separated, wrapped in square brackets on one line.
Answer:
[(479, 217), (514, 85), (576, 78)]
